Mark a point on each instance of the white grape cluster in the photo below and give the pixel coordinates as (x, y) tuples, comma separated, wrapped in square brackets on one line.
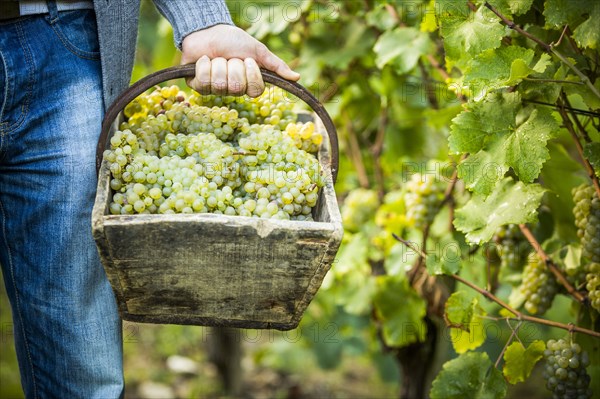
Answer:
[(177, 155), (587, 220), (565, 370), (424, 194), (512, 247), (539, 286), (359, 207)]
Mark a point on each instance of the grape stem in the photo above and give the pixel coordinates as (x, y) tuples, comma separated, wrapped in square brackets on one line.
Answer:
[(513, 334), (549, 48), (550, 265), (518, 315), (588, 167)]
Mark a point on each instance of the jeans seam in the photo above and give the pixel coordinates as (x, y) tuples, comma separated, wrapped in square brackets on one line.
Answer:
[(31, 82), (5, 90), (17, 300), (87, 55)]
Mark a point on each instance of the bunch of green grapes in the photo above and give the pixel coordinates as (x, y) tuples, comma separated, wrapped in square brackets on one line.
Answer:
[(565, 370), (512, 247), (539, 286), (273, 107), (176, 156), (593, 284), (587, 220), (424, 194), (359, 207), (305, 136)]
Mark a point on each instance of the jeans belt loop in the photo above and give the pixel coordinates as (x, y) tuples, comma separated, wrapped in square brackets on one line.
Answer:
[(53, 11)]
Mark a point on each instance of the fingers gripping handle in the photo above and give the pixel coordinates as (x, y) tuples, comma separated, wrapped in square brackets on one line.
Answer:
[(184, 71)]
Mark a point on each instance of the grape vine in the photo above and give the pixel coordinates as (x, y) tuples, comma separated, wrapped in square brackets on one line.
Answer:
[(465, 127)]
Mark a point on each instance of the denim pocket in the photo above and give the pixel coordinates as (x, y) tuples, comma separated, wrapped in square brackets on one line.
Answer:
[(78, 33)]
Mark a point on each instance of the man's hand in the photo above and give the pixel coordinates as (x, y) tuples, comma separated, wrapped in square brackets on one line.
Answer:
[(228, 60)]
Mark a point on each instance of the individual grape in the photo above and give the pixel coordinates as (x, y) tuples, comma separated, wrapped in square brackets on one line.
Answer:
[(539, 286), (512, 247), (424, 193), (565, 370)]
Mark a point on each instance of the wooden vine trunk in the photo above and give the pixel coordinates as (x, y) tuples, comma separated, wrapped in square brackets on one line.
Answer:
[(217, 270)]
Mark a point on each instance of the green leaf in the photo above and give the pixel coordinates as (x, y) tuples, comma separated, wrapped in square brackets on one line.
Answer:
[(467, 34), (481, 120), (500, 138), (518, 361), (544, 89), (543, 63), (592, 152), (445, 261), (587, 34), (483, 170), (564, 12), (471, 375), (463, 312), (510, 202), (572, 259), (401, 311), (402, 47), (380, 18), (496, 68), (353, 254), (428, 23), (516, 7), (526, 149)]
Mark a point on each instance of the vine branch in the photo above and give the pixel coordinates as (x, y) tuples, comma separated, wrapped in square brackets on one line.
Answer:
[(550, 264), (488, 295), (521, 316)]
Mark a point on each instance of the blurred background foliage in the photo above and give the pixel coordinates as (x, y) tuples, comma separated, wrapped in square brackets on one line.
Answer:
[(390, 111)]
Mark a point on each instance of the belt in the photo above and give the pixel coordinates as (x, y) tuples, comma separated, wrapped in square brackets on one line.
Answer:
[(9, 10), (16, 9)]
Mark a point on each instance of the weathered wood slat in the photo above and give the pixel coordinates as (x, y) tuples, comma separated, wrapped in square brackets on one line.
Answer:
[(217, 270)]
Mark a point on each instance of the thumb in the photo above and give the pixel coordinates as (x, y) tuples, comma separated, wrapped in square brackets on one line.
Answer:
[(268, 60)]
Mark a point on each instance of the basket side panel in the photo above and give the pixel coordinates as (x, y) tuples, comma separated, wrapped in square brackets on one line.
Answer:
[(217, 270), (101, 204), (327, 211)]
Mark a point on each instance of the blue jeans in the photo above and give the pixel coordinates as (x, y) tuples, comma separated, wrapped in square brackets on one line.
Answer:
[(65, 320)]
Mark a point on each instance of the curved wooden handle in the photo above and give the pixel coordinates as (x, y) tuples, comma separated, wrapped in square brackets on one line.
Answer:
[(184, 71)]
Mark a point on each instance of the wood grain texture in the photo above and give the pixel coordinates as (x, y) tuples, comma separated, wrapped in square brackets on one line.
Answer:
[(217, 270)]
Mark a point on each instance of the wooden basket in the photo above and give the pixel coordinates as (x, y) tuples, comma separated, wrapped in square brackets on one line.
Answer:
[(216, 270)]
